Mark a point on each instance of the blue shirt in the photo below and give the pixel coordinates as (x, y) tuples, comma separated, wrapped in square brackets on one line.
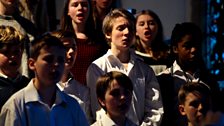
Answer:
[(25, 108)]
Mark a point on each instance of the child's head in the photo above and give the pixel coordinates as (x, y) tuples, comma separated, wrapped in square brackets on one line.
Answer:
[(119, 26), (11, 49), (149, 27), (114, 93), (194, 101), (47, 58), (186, 40), (69, 39)]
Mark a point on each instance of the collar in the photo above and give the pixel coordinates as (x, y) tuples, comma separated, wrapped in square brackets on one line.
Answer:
[(117, 65), (62, 85), (177, 71), (19, 76), (6, 17), (32, 95)]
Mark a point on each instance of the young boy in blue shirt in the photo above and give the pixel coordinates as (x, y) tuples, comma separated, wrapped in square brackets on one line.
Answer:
[(41, 103)]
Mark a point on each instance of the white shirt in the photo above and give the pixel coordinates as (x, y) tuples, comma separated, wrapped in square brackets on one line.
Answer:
[(25, 108), (104, 120), (146, 108), (79, 92)]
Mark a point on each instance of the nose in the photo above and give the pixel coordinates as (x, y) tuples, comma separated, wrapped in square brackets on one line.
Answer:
[(200, 107), (126, 30), (79, 6)]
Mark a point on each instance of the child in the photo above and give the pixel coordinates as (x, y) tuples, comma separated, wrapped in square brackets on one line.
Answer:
[(41, 103), (188, 66), (114, 93), (11, 50), (68, 84), (149, 40), (119, 29), (195, 102)]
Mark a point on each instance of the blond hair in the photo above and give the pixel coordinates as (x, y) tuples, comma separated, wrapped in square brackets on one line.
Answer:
[(10, 35)]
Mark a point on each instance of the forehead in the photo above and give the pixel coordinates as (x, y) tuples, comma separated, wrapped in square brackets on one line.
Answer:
[(120, 21), (72, 1), (145, 17), (53, 50)]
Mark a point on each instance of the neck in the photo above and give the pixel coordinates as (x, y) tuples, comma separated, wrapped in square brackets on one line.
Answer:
[(122, 55), (146, 46), (120, 120), (65, 76), (48, 94)]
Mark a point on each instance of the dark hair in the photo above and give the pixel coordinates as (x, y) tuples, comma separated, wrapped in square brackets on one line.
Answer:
[(104, 82), (195, 88), (66, 21), (64, 34), (186, 28), (45, 40)]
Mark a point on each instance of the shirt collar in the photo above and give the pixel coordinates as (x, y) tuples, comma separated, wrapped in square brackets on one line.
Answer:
[(12, 79), (117, 65), (32, 95)]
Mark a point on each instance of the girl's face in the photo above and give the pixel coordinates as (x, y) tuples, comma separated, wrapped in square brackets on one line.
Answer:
[(71, 52), (78, 10), (195, 108), (146, 28), (117, 100), (103, 4), (122, 34), (10, 59), (187, 50)]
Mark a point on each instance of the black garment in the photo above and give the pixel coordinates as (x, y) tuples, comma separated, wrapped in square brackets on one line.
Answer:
[(8, 87)]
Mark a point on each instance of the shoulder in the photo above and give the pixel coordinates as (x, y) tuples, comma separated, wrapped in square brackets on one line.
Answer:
[(16, 101)]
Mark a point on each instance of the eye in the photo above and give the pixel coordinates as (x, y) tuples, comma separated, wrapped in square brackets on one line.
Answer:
[(84, 4), (152, 23), (141, 23), (49, 59), (115, 93), (195, 104)]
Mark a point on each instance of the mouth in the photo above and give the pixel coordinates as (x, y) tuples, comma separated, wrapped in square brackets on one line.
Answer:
[(147, 33)]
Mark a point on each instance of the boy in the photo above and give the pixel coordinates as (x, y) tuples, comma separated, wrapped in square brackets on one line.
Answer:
[(114, 93), (41, 103), (11, 49), (186, 40), (195, 102), (119, 29), (68, 84)]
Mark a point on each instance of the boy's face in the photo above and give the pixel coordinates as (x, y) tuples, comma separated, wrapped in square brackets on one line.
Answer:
[(71, 52), (117, 100), (146, 28), (10, 59), (187, 50), (122, 34), (49, 66), (195, 108)]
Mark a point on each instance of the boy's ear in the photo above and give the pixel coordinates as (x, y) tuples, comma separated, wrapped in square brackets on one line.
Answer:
[(31, 63), (102, 102), (108, 36), (182, 110), (175, 49)]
